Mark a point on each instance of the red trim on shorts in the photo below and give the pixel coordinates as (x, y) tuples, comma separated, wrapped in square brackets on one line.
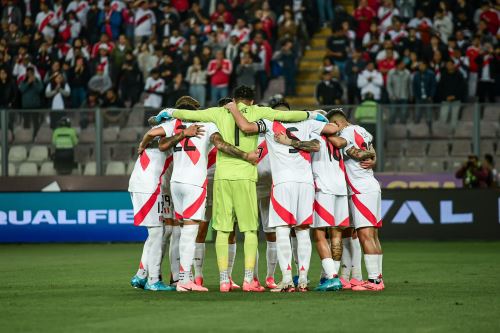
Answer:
[(308, 221), (284, 214), (345, 223), (191, 210), (364, 211), (324, 214), (146, 208)]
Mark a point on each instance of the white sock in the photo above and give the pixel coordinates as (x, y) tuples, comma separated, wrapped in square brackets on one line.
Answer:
[(167, 233), (174, 252), (230, 258), (271, 259), (199, 257), (155, 236), (328, 267), (304, 248), (356, 271), (256, 267), (346, 260), (186, 250), (371, 264), (249, 275), (284, 252), (224, 277), (142, 272), (380, 257), (337, 266), (294, 252)]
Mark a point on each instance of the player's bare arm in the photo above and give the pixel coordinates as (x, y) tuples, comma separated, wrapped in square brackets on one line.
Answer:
[(337, 141), (193, 130), (244, 125), (309, 146), (359, 154), (227, 148), (371, 162)]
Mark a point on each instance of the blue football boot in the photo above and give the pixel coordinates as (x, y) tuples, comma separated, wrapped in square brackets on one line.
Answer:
[(158, 286), (137, 282), (322, 280), (330, 285), (295, 280)]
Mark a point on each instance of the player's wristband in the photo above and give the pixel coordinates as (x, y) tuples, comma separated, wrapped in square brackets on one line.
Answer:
[(261, 125)]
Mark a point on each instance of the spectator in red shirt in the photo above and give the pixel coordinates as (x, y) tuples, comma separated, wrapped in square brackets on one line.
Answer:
[(364, 15), (385, 65), (490, 16), (221, 11), (219, 70), (472, 53)]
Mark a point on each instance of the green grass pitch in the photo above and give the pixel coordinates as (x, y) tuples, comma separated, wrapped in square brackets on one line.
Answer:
[(430, 287)]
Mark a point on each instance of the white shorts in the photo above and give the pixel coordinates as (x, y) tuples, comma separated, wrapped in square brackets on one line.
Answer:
[(331, 210), (189, 201), (168, 206), (366, 209), (147, 209), (264, 215), (291, 204)]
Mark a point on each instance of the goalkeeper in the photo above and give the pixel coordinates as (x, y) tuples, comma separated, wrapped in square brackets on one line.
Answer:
[(235, 180)]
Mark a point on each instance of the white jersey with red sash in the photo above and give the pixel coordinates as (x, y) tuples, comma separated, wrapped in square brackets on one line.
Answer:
[(385, 15), (45, 23), (144, 21), (189, 177), (80, 8), (364, 189), (292, 194), (155, 89), (59, 12), (145, 186)]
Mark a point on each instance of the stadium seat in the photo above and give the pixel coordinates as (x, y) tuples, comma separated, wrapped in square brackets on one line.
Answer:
[(488, 129), (110, 134), (464, 130), (27, 169), (135, 117), (454, 164), (123, 152), (128, 134), (115, 168), (440, 130), (468, 112), (434, 165), (416, 148), (23, 135), (397, 131), (47, 169), (411, 165), (38, 154), (90, 169), (83, 153), (10, 137), (11, 169), (87, 135), (130, 167), (438, 148), (395, 148), (487, 147), (17, 154), (461, 148), (43, 136), (391, 165), (418, 131), (491, 113)]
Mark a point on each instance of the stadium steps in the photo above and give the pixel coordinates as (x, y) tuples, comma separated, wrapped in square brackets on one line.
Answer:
[(309, 71)]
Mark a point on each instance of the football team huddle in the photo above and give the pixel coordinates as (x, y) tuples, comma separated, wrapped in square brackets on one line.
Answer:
[(315, 169)]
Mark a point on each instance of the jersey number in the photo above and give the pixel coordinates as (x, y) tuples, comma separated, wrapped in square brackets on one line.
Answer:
[(184, 143), (291, 136)]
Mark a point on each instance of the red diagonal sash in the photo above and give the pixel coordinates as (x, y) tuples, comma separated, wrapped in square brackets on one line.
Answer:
[(263, 150), (46, 21), (194, 155), (142, 19), (279, 128), (212, 157)]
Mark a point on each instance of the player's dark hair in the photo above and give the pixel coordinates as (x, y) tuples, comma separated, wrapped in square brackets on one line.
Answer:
[(279, 103), (244, 92), (187, 103), (224, 100), (336, 112)]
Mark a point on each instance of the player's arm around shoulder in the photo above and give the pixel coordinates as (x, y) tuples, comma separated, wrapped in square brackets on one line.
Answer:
[(310, 146), (207, 115), (227, 148), (195, 130), (243, 124)]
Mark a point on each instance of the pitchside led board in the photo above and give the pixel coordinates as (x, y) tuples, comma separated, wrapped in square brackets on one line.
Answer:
[(108, 216)]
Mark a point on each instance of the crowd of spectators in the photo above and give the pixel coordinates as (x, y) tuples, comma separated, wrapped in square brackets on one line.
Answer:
[(62, 54), (422, 52)]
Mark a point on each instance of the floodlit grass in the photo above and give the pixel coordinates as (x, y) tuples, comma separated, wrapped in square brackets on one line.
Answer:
[(430, 287)]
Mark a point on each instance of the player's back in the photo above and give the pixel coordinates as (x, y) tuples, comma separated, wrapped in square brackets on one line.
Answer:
[(148, 169), (191, 155), (360, 180), (328, 168), (287, 163)]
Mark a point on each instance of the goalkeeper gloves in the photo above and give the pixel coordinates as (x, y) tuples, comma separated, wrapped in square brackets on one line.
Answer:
[(165, 114), (317, 115)]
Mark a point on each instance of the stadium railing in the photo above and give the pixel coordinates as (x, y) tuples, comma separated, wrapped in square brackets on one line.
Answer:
[(408, 137)]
